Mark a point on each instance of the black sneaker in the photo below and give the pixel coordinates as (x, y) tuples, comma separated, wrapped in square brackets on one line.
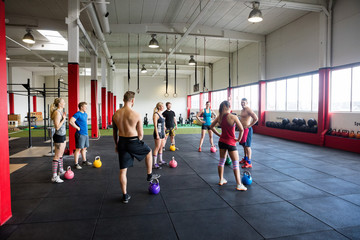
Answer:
[(86, 163), (126, 198), (153, 177)]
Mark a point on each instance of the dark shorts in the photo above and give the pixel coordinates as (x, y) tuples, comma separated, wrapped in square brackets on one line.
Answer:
[(130, 148), (205, 127), (170, 131), (161, 135), (59, 138), (227, 147), (81, 141), (246, 139)]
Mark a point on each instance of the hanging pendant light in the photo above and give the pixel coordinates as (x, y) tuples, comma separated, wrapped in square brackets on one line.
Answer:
[(7, 57), (143, 69), (255, 15), (153, 42), (192, 61), (28, 37)]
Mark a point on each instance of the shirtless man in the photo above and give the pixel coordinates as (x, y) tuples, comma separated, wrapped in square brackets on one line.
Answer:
[(247, 118), (128, 134)]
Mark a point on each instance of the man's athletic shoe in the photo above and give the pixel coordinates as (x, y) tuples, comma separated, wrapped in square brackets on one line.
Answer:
[(222, 182), (247, 165), (126, 198), (57, 179), (153, 177), (242, 161), (77, 166), (241, 187), (87, 163)]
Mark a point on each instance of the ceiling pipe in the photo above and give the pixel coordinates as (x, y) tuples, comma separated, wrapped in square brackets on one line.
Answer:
[(103, 14), (86, 36), (99, 34), (188, 31)]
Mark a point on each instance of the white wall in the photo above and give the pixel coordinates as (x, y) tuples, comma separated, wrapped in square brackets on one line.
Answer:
[(221, 74), (152, 91), (294, 48), (346, 33), (248, 63)]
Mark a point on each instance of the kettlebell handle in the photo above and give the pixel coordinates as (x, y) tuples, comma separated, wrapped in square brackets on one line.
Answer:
[(97, 158), (247, 173), (155, 181), (69, 168)]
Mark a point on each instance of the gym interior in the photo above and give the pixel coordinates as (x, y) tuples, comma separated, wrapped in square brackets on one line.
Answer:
[(297, 62)]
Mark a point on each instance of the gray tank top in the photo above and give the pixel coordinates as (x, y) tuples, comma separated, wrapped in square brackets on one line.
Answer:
[(62, 129)]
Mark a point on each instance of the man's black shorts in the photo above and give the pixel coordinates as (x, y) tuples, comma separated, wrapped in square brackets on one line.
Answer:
[(130, 148)]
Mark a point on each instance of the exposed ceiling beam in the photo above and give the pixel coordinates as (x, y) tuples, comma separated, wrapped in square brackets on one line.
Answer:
[(178, 29)]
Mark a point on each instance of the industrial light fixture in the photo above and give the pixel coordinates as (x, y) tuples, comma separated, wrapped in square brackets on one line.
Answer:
[(192, 61), (61, 79), (7, 57), (153, 42), (255, 14), (143, 69), (28, 37)]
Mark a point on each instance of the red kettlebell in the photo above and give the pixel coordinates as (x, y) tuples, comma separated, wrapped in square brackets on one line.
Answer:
[(69, 174), (345, 133), (358, 135), (352, 134), (338, 133), (173, 163), (333, 132)]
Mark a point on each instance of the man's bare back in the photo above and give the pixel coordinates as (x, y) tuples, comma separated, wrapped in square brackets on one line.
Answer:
[(128, 122)]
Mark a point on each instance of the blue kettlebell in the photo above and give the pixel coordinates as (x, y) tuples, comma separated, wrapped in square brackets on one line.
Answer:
[(246, 179), (154, 187)]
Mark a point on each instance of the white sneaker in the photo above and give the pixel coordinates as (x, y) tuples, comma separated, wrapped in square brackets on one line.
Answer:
[(77, 166), (57, 179), (222, 182), (241, 187)]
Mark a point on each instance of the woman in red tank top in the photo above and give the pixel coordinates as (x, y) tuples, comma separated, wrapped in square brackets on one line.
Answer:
[(227, 142)]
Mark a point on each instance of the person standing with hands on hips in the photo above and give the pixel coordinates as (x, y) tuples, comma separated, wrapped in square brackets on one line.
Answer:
[(79, 122)]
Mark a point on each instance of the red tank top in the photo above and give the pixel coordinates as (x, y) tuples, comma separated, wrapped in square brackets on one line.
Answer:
[(228, 132)]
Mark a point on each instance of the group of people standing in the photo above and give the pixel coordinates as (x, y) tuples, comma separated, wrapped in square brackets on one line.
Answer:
[(79, 122), (128, 134)]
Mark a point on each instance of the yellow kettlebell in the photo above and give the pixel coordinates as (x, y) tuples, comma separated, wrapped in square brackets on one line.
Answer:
[(172, 148), (97, 163)]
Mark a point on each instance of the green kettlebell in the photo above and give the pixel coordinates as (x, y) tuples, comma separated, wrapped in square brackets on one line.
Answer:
[(228, 161)]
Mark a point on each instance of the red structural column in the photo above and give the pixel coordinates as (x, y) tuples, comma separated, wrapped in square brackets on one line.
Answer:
[(103, 108), (11, 103), (201, 102), (114, 104), (262, 96), (73, 98), (5, 193), (324, 101), (188, 105), (109, 108), (34, 104), (94, 119)]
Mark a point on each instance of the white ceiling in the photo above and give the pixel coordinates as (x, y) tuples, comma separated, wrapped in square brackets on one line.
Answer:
[(142, 17)]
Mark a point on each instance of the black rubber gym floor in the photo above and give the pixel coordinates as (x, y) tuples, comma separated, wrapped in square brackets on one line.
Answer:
[(299, 191)]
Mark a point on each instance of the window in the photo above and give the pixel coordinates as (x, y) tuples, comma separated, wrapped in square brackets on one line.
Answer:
[(237, 95), (270, 96), (251, 93), (205, 97), (281, 95), (305, 93), (340, 90), (195, 101), (217, 97), (293, 94), (356, 89), (254, 99)]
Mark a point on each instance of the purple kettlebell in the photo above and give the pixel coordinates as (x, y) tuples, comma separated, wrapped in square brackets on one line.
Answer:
[(154, 187)]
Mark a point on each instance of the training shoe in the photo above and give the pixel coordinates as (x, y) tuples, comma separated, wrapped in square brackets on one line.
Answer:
[(126, 198), (156, 166), (77, 166), (57, 179), (242, 161), (199, 150), (241, 187), (153, 177), (163, 163), (247, 165), (222, 182), (87, 163)]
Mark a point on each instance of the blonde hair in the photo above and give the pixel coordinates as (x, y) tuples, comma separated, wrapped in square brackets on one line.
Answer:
[(54, 106), (157, 107)]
